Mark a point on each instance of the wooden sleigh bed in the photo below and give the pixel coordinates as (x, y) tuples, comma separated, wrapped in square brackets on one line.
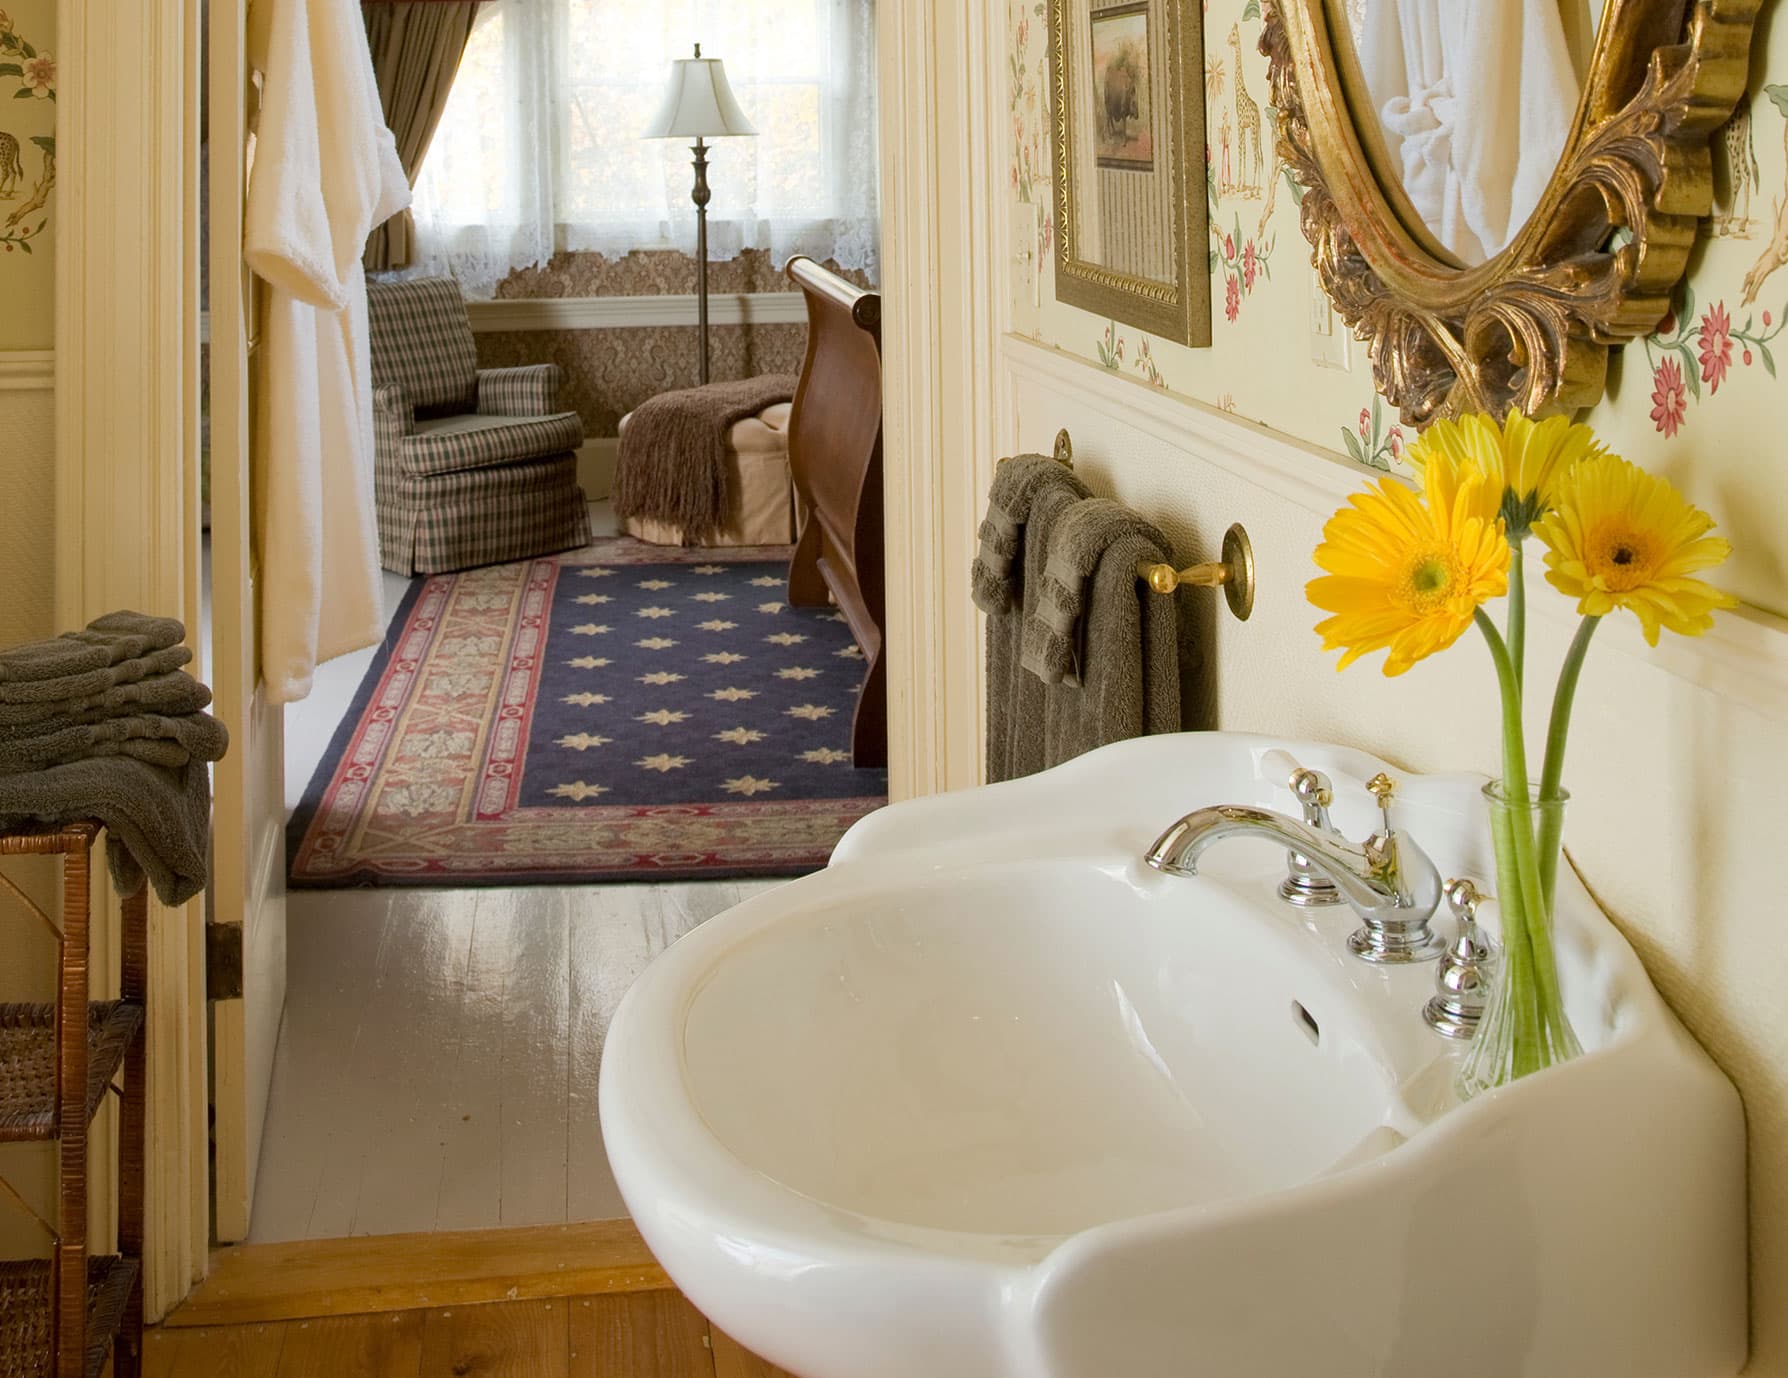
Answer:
[(835, 462)]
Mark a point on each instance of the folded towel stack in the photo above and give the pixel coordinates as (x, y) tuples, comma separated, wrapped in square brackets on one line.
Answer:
[(105, 723)]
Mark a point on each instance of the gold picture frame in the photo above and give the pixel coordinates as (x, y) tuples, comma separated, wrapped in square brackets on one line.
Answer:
[(1596, 264), (1173, 303)]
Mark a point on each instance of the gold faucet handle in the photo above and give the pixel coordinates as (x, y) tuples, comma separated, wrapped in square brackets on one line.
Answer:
[(1382, 788)]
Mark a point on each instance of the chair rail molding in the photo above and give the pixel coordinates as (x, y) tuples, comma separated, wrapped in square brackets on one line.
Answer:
[(27, 370), (127, 484), (620, 313), (941, 104)]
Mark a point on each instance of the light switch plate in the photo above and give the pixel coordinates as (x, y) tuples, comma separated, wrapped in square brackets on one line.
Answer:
[(1329, 338), (1025, 266)]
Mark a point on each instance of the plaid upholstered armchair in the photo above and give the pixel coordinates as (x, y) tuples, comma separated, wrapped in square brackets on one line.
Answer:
[(472, 466)]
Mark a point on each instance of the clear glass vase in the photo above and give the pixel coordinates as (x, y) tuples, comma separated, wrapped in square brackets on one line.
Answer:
[(1524, 1027)]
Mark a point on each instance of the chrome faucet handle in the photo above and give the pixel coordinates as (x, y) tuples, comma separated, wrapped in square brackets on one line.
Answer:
[(1304, 885), (1465, 970), (1404, 869)]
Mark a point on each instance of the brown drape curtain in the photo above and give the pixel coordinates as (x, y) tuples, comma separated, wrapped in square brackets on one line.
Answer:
[(416, 48)]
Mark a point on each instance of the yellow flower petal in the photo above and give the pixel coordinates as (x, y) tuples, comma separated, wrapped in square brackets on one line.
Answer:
[(1622, 538), (1524, 461), (1405, 572)]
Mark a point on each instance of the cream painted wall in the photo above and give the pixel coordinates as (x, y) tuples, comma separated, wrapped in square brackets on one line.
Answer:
[(1678, 753), (1672, 404)]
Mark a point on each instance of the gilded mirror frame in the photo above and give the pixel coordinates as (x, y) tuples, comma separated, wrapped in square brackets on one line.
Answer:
[(1180, 310), (1595, 266)]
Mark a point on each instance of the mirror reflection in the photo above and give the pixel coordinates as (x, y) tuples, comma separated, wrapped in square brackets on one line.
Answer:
[(1474, 101), (1122, 142)]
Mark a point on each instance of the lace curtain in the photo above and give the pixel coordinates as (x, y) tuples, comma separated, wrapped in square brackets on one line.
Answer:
[(539, 148)]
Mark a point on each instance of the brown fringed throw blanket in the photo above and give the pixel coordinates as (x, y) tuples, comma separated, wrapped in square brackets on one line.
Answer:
[(672, 465)]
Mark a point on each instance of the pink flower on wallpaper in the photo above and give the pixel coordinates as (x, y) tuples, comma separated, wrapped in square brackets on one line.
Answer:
[(1396, 442), (1250, 265), (1228, 249), (1232, 297), (1669, 398), (1365, 426), (40, 75), (1715, 345)]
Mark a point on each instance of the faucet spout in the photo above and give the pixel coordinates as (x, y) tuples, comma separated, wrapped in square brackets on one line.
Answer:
[(1389, 881)]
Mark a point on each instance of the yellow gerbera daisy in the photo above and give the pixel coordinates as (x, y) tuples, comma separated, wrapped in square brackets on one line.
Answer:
[(1621, 538), (1406, 572), (1527, 458)]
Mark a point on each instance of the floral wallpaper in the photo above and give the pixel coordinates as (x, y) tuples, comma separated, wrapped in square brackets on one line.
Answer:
[(1699, 399), (27, 172), (610, 372)]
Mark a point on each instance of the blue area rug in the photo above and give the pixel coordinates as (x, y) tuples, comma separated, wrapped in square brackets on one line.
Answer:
[(623, 713)]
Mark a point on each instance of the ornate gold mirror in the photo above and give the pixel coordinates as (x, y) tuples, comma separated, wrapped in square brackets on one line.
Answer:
[(1497, 191), (1129, 151)]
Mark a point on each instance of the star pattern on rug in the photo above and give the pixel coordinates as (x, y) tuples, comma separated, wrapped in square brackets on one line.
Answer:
[(661, 677), (766, 581), (723, 658), (785, 638), (585, 700), (852, 652), (749, 785), (593, 598), (717, 626), (662, 717), (655, 643), (583, 741), (811, 712), (589, 629), (595, 572), (707, 569), (663, 762), (825, 756), (590, 663), (740, 736), (655, 613), (769, 607), (733, 695), (796, 672), (832, 617), (711, 597), (654, 585), (578, 790)]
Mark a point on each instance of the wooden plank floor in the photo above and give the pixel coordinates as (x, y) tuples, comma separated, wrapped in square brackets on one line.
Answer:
[(655, 1334), (437, 1065)]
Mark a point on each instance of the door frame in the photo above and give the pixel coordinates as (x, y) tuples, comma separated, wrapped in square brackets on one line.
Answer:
[(127, 428), (127, 484)]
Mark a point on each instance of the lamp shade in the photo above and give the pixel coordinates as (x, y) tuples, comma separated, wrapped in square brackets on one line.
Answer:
[(699, 103)]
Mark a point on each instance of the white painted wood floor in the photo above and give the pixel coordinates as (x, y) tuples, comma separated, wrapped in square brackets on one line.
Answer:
[(436, 1069), (437, 1065)]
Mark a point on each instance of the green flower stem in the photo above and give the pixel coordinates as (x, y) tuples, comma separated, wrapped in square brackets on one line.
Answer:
[(1518, 612), (1527, 944), (1552, 772)]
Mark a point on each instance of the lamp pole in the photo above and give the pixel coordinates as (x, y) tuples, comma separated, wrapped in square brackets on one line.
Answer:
[(700, 196)]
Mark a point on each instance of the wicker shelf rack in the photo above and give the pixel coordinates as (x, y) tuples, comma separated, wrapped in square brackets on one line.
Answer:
[(61, 1316)]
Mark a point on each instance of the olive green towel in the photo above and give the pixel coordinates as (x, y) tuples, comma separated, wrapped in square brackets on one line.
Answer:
[(998, 575)]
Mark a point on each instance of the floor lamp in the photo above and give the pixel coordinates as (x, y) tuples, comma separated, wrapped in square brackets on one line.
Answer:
[(699, 105)]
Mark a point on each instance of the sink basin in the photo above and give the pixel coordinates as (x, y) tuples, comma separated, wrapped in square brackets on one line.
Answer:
[(989, 1098)]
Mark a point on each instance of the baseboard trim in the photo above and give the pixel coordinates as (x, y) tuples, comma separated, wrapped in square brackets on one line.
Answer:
[(255, 1283), (617, 313), (596, 466)]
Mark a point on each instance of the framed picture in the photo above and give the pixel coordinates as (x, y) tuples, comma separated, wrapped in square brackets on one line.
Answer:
[(1123, 105)]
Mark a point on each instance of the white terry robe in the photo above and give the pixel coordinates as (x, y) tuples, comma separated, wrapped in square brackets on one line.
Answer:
[(1476, 98), (325, 173)]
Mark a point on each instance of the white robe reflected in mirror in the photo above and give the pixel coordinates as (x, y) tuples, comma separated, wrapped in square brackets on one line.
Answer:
[(1476, 99)]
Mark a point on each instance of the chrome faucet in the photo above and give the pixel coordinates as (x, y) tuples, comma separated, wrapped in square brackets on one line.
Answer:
[(1388, 880)]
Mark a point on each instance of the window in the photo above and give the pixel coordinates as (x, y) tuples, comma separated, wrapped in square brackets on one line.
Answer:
[(539, 148)]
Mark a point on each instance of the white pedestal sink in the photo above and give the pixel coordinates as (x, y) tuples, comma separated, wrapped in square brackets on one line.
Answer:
[(989, 1098)]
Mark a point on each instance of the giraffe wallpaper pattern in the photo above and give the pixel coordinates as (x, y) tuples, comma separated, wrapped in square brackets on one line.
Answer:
[(28, 78), (1697, 401), (610, 372)]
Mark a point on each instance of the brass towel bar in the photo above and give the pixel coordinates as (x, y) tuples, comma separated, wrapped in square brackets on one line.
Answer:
[(1234, 573)]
